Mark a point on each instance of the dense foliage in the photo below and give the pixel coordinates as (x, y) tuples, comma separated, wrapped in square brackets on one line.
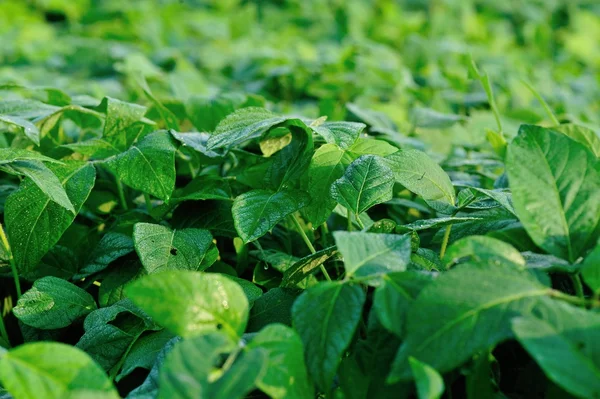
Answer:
[(299, 199)]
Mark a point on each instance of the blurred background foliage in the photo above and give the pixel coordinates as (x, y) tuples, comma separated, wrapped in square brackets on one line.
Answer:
[(399, 65)]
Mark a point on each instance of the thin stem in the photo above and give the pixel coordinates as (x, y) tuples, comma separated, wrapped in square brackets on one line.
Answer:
[(303, 234), (121, 194), (573, 300), (445, 241), (309, 244), (11, 260), (543, 102), (577, 285), (148, 202), (350, 227), (3, 332), (359, 222)]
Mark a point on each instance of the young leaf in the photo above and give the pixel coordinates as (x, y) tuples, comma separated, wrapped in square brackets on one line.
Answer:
[(447, 324), (189, 370), (148, 166), (192, 303), (416, 171), (258, 211), (327, 165), (430, 384), (342, 134), (554, 195), (482, 249), (53, 303), (561, 358), (54, 371), (372, 255), (286, 375), (366, 182), (326, 317), (161, 248), (371, 147), (34, 223)]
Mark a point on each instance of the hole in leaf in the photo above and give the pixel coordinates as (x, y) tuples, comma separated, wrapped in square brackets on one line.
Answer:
[(219, 326), (173, 251)]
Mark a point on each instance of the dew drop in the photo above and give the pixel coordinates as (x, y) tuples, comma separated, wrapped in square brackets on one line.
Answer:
[(225, 304)]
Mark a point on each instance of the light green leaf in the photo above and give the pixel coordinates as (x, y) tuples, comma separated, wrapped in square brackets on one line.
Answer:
[(34, 223), (430, 384), (148, 166), (591, 269), (24, 126), (342, 134), (243, 125), (161, 248), (258, 211), (447, 323), (561, 357), (286, 376), (370, 147), (44, 179), (372, 255), (366, 182), (53, 371), (53, 303), (196, 141), (394, 297), (8, 155), (583, 135), (205, 302), (277, 140), (416, 171), (428, 118), (327, 165), (555, 195), (326, 316), (482, 249)]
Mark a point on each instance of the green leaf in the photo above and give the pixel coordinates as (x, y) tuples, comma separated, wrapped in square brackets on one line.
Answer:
[(286, 375), (8, 155), (161, 248), (54, 371), (582, 135), (342, 134), (371, 147), (366, 182), (428, 118), (148, 166), (256, 212), (482, 249), (563, 360), (123, 122), (368, 255), (24, 126), (430, 384), (196, 141), (53, 303), (416, 171), (167, 116), (243, 125), (206, 112), (326, 317), (591, 269), (306, 266), (112, 246), (554, 195), (327, 165), (275, 306), (44, 179), (144, 352), (188, 370), (149, 388), (447, 323), (192, 303), (394, 297), (34, 223), (111, 331)]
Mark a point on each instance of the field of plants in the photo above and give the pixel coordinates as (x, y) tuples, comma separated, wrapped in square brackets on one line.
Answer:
[(290, 199)]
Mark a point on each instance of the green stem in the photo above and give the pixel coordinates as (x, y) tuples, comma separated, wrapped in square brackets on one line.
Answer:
[(359, 222), (350, 227), (577, 285), (3, 332), (11, 260), (541, 100), (445, 241), (309, 244), (121, 194), (573, 300), (148, 202)]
